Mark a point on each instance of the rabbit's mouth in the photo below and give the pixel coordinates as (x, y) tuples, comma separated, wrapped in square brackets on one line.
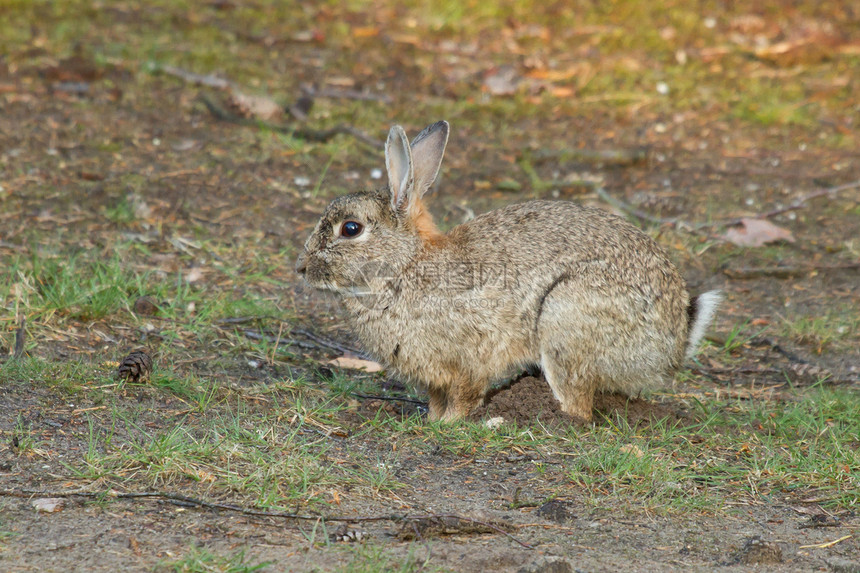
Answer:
[(352, 291)]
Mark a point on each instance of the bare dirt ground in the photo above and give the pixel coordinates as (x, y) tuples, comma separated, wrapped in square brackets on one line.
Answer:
[(700, 120)]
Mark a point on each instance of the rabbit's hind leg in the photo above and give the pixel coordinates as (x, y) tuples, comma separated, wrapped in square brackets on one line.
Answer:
[(572, 387), (438, 403)]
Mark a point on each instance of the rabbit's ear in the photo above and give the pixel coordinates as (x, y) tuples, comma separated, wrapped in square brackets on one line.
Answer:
[(398, 163), (428, 148)]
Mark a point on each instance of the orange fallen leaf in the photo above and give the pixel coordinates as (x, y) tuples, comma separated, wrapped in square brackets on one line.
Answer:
[(562, 92), (365, 32), (411, 39)]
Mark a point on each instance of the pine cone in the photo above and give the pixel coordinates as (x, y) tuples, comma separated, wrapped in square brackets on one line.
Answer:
[(145, 306), (135, 367)]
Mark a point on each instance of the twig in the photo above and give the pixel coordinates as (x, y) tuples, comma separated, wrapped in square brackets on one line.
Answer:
[(785, 272), (778, 349), (243, 319), (209, 80), (20, 338), (319, 135), (440, 517), (827, 544), (278, 342), (328, 343), (796, 204), (723, 371), (311, 91), (639, 214), (603, 156), (316, 339), (389, 398), (194, 502)]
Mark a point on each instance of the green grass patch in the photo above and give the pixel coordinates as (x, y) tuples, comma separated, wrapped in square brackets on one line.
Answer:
[(837, 326), (740, 451), (202, 560), (373, 557)]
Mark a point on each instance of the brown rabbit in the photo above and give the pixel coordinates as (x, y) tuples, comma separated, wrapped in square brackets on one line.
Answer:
[(589, 298)]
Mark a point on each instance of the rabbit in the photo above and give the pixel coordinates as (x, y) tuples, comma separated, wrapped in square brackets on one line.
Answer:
[(580, 293)]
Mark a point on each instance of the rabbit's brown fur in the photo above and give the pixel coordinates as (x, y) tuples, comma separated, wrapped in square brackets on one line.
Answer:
[(583, 294)]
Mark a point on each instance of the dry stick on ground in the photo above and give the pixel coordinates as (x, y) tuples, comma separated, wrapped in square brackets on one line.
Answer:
[(328, 342), (279, 341), (389, 398), (194, 502), (785, 272), (639, 214), (306, 133), (313, 92), (209, 80), (244, 319), (318, 340), (799, 203), (20, 338), (796, 204), (616, 157)]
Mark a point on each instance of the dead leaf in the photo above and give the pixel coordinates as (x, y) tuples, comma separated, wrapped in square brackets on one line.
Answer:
[(849, 49), (562, 92), (308, 36), (48, 504), (757, 232), (255, 107), (356, 364), (365, 32), (411, 39), (809, 50), (194, 275), (632, 449), (502, 81)]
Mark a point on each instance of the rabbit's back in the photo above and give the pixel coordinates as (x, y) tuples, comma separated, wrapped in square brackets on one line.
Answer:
[(537, 233)]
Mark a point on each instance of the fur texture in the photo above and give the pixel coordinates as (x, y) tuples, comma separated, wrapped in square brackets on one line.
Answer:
[(583, 294)]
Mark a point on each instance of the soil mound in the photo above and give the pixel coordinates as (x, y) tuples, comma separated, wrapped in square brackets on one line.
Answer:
[(529, 399)]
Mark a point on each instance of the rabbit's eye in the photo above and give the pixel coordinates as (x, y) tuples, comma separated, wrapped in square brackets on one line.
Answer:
[(351, 229)]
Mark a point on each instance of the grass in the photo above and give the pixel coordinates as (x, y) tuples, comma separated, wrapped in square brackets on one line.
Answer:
[(202, 560), (839, 326), (740, 335), (370, 558), (272, 446), (272, 459), (741, 451)]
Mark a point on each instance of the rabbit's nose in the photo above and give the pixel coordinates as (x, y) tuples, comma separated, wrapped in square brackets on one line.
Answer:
[(302, 263)]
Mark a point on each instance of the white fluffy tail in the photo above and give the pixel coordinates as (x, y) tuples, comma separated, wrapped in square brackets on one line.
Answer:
[(702, 311)]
